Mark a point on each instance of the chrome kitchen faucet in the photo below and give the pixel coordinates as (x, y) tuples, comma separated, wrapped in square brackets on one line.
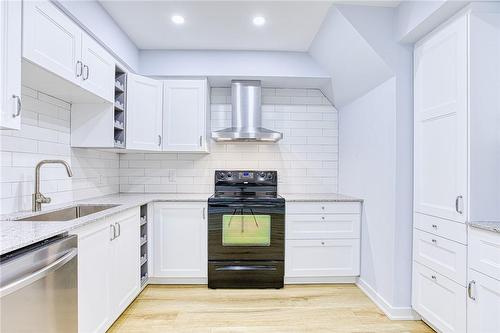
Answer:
[(38, 198)]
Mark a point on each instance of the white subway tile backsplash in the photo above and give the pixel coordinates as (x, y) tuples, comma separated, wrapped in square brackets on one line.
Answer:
[(45, 134), (306, 159)]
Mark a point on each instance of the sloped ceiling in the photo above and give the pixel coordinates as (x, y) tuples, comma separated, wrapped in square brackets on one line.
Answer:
[(353, 65)]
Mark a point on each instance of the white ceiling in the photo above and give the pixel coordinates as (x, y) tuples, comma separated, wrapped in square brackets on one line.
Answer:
[(219, 25)]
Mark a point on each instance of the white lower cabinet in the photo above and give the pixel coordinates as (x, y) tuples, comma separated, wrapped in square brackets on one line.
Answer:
[(322, 241), (180, 242), (125, 267), (439, 300), (108, 269), (322, 258), (483, 304)]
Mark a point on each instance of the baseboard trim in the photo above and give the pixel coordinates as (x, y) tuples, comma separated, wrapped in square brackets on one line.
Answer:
[(393, 313), (321, 279), (180, 280)]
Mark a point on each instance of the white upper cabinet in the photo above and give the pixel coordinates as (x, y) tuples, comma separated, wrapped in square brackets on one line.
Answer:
[(52, 40), (57, 45), (10, 64), (144, 113), (98, 69), (441, 122), (185, 115)]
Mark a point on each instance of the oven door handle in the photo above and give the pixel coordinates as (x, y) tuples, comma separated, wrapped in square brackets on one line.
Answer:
[(246, 205), (245, 268)]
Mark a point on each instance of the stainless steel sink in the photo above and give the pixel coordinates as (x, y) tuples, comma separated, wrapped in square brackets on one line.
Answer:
[(69, 213)]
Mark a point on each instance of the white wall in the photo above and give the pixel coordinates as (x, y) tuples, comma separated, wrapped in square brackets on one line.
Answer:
[(45, 134), (367, 155), (96, 20), (306, 159), (392, 280), (228, 63), (417, 18)]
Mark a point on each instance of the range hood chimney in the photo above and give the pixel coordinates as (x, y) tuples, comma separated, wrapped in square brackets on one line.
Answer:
[(246, 116)]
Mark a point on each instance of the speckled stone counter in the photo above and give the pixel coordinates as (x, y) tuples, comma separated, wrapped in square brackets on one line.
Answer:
[(17, 234), (490, 226), (333, 197)]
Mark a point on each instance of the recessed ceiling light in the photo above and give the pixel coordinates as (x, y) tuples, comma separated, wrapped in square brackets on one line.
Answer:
[(259, 20), (177, 19)]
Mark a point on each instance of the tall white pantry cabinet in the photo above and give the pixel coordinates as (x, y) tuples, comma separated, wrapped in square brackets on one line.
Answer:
[(456, 158)]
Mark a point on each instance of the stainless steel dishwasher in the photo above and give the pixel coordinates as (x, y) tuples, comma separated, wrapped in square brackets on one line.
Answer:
[(38, 287)]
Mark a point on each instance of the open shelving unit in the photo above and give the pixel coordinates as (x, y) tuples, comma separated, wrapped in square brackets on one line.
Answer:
[(120, 107), (144, 245)]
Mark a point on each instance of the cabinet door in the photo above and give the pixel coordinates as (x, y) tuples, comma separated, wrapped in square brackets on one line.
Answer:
[(441, 123), (10, 64), (184, 115), (98, 71), (483, 304), (94, 260), (322, 258), (51, 40), (125, 272), (144, 113), (180, 240), (439, 300)]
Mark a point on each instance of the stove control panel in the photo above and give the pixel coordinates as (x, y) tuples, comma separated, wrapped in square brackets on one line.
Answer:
[(246, 177)]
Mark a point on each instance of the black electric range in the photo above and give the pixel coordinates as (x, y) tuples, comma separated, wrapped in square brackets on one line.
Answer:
[(246, 231)]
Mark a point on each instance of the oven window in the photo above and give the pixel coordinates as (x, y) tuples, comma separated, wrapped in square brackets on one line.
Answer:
[(246, 230)]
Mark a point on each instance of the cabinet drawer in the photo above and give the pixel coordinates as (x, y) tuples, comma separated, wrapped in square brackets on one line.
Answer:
[(445, 228), (322, 226), (439, 300), (322, 258), (320, 207), (484, 252), (447, 257)]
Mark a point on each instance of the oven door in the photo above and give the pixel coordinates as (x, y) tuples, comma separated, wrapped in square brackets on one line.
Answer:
[(246, 231)]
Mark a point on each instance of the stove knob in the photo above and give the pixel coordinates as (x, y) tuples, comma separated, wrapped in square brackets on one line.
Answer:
[(269, 175), (229, 175), (221, 176), (261, 175)]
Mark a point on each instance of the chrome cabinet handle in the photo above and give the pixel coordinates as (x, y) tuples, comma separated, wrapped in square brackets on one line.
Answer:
[(87, 72), (435, 226), (119, 229), (79, 69), (203, 212), (18, 106), (433, 277), (159, 140), (201, 140), (112, 231), (469, 290), (434, 241), (457, 201)]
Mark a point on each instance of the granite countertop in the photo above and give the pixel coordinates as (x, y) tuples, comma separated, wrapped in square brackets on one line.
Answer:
[(493, 226), (17, 234), (334, 197)]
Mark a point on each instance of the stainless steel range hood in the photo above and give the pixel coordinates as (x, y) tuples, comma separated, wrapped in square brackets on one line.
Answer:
[(246, 116)]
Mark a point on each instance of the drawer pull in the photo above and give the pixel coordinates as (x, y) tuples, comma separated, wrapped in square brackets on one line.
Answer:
[(435, 226), (322, 243), (323, 218), (469, 290), (434, 241), (434, 277), (458, 204), (323, 207)]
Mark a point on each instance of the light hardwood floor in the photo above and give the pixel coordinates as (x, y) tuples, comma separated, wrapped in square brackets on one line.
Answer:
[(296, 308)]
